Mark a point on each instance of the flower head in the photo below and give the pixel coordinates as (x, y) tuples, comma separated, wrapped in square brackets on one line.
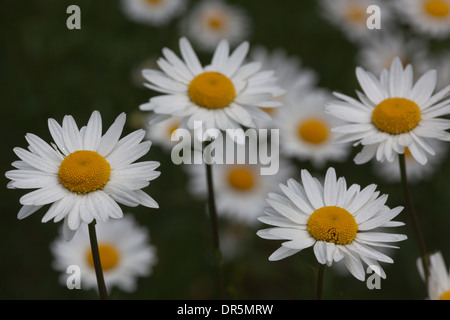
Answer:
[(393, 113), (85, 174), (224, 95), (340, 223), (125, 254), (153, 12), (439, 278)]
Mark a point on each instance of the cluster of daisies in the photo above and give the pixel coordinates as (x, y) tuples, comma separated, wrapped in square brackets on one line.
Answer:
[(85, 175)]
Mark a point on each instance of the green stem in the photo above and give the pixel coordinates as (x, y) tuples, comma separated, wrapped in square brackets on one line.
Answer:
[(414, 217), (97, 264), (215, 227), (320, 281)]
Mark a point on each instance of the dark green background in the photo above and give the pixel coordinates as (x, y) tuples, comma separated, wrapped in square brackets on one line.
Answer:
[(48, 71)]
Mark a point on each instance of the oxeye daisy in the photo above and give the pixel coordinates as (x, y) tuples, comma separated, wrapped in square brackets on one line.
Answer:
[(438, 279), (350, 16), (125, 252), (153, 12), (340, 223), (224, 95), (83, 174), (393, 113), (211, 21), (160, 133), (305, 128), (428, 17)]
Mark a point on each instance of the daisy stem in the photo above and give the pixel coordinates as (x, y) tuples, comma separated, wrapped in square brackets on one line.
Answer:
[(414, 217), (320, 281), (97, 264), (215, 225)]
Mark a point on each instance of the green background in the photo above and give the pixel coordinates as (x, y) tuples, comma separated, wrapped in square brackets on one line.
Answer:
[(48, 71)]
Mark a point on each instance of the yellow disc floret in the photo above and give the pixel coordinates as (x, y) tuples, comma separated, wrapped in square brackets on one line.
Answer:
[(241, 178), (396, 115), (437, 8), (84, 171), (313, 130), (445, 295), (109, 257), (212, 90), (332, 224)]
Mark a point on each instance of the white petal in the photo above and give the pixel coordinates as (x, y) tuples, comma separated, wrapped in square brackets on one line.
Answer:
[(110, 138), (93, 132)]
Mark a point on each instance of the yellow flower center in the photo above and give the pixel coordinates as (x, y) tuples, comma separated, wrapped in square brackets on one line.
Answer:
[(84, 171), (153, 2), (437, 8), (332, 224), (109, 256), (313, 130), (172, 128), (216, 21), (445, 295), (396, 115), (211, 90), (356, 13), (241, 178)]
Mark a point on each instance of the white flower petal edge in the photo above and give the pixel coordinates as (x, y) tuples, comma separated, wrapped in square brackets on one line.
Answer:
[(39, 169), (289, 214), (396, 83)]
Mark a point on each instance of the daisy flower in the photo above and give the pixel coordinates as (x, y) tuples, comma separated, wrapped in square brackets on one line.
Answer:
[(428, 17), (305, 128), (213, 20), (439, 279), (160, 133), (125, 254), (153, 12), (350, 16), (240, 189), (83, 174), (339, 223), (223, 95), (393, 113), (390, 171)]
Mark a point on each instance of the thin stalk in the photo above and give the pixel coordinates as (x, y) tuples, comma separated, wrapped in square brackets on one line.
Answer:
[(215, 227), (97, 263), (414, 217), (320, 281)]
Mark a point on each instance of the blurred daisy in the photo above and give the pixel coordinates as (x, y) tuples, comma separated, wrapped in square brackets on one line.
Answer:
[(125, 254), (350, 16), (377, 53), (305, 128), (240, 189), (390, 171), (439, 279), (393, 113), (223, 95), (160, 133), (153, 12), (213, 20), (290, 74), (428, 17), (84, 175), (339, 223)]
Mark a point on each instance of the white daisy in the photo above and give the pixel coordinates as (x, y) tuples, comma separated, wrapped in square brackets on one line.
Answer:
[(428, 17), (339, 223), (213, 20), (85, 174), (125, 254), (305, 128), (439, 278), (239, 188), (153, 12), (223, 95), (351, 16), (160, 133), (390, 171), (393, 113)]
